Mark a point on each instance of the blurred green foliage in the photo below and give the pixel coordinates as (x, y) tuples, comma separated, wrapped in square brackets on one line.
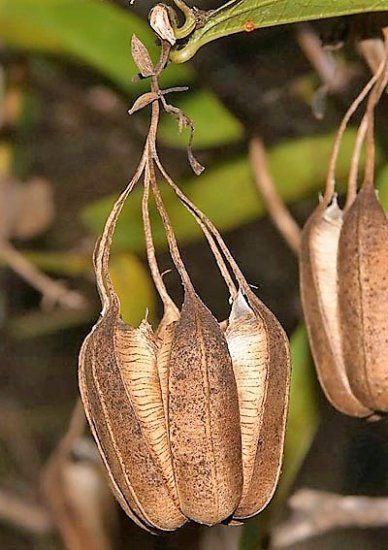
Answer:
[(227, 193), (382, 186), (303, 415), (97, 33), (134, 288), (214, 124)]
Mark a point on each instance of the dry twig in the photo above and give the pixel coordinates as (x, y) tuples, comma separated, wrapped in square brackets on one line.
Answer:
[(332, 75), (52, 291), (316, 512), (77, 494), (23, 514), (278, 211), (372, 50)]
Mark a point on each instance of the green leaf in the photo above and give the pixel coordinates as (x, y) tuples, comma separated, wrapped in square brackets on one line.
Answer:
[(214, 124), (232, 17), (134, 288), (97, 33), (227, 193)]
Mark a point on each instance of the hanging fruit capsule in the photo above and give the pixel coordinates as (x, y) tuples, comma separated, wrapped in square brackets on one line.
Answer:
[(319, 293), (203, 417), (261, 363), (120, 389), (363, 298)]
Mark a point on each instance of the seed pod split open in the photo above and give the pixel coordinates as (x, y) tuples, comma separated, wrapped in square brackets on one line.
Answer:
[(120, 389), (248, 345), (318, 278), (261, 361), (344, 263)]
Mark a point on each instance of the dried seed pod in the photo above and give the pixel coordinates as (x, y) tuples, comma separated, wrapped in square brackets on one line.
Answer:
[(318, 281), (164, 408), (164, 336), (203, 417), (248, 345), (120, 388), (363, 298), (261, 362)]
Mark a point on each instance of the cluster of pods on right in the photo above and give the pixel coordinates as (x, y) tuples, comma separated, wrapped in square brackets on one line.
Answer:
[(344, 279)]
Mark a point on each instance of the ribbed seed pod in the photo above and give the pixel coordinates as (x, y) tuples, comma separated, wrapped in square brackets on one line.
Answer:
[(203, 417), (261, 362), (164, 336), (363, 298), (181, 438), (344, 285), (318, 273), (248, 345), (120, 389)]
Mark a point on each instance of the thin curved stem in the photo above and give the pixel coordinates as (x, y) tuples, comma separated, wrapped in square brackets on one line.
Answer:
[(171, 239), (351, 192), (370, 111), (330, 181), (203, 221), (211, 227), (278, 211), (102, 251), (361, 134), (150, 247)]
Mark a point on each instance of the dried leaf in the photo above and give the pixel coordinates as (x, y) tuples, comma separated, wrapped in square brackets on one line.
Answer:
[(363, 298), (203, 417), (143, 101), (141, 57), (318, 273), (195, 165), (160, 22)]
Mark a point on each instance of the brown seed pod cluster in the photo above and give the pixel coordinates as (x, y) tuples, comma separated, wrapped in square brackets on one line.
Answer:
[(344, 279), (189, 418)]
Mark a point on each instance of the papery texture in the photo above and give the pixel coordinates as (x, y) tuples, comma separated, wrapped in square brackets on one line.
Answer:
[(203, 417), (319, 293), (269, 451), (122, 398), (248, 345), (363, 298)]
